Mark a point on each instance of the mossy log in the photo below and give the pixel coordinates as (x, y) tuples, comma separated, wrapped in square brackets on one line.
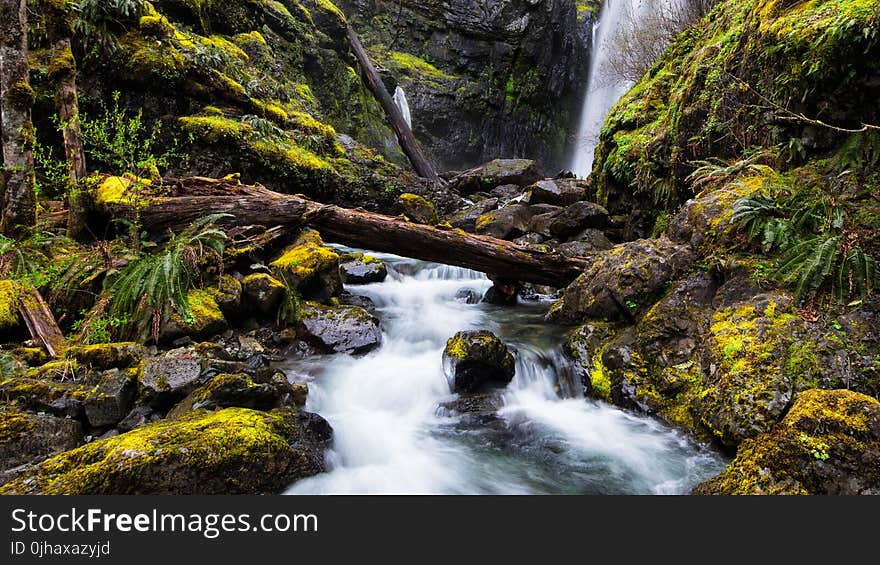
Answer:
[(253, 205), (40, 321)]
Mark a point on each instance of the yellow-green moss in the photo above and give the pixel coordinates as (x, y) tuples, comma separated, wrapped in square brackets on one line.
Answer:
[(148, 59), (204, 311), (62, 64), (415, 66), (600, 379), (128, 463), (9, 301), (307, 257), (116, 190), (13, 425), (21, 95), (418, 208), (215, 128), (270, 281)]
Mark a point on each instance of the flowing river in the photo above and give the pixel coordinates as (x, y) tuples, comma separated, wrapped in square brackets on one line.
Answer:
[(394, 434)]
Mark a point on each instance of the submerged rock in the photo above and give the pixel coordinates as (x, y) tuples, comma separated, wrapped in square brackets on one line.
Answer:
[(827, 444), (475, 359), (232, 451), (340, 329)]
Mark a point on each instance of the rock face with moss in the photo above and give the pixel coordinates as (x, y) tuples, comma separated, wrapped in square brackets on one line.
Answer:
[(28, 438), (509, 75), (827, 444), (474, 360), (232, 451)]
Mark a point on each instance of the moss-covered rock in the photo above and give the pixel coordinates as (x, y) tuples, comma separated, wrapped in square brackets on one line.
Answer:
[(620, 282), (585, 346), (738, 81), (263, 292), (827, 444), (64, 399), (30, 438), (509, 222), (473, 360), (228, 295), (418, 208), (229, 390), (105, 356), (9, 299), (232, 451), (499, 172), (751, 384), (466, 219), (207, 320), (310, 267)]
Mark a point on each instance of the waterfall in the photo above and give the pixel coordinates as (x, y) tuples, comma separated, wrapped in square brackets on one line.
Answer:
[(605, 86), (403, 104)]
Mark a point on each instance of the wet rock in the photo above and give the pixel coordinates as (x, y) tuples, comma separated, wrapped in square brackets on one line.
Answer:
[(505, 223), (231, 451), (473, 360), (707, 218), (619, 281), (507, 192), (468, 296), (581, 248), (358, 300), (502, 294), (578, 217), (561, 192), (827, 444), (112, 399), (207, 320), (467, 218), (341, 329), (485, 177), (418, 209), (263, 292), (540, 223), (30, 438), (310, 267), (357, 268), (584, 346), (475, 408)]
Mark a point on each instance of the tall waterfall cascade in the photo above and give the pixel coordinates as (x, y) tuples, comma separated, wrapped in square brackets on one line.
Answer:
[(605, 86), (402, 103)]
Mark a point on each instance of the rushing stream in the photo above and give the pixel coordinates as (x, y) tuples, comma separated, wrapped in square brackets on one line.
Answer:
[(392, 433)]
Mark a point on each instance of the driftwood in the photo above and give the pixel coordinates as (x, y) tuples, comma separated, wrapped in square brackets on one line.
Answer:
[(254, 205), (40, 321), (405, 136)]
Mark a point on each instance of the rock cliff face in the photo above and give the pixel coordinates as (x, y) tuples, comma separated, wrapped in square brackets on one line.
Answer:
[(484, 78)]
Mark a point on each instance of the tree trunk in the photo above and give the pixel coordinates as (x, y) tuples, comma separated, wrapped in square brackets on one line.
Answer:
[(405, 136), (19, 206), (40, 321), (62, 72), (259, 206)]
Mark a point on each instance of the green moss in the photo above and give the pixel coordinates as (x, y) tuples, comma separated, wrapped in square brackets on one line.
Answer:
[(13, 425), (146, 59), (216, 129), (9, 301), (116, 190), (415, 67), (204, 310), (21, 95), (128, 463), (261, 280), (418, 208), (62, 65)]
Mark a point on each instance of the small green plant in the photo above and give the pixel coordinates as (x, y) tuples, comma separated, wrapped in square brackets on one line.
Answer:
[(291, 309), (818, 448), (717, 170), (151, 284), (10, 366), (96, 21), (631, 304)]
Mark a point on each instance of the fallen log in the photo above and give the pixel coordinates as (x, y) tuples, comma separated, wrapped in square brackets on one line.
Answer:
[(405, 136), (255, 205), (40, 321)]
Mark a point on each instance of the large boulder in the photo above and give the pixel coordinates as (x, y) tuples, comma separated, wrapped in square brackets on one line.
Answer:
[(310, 267), (111, 400), (232, 451), (578, 217), (751, 367), (619, 281), (357, 268), (340, 329), (561, 192), (474, 359), (467, 219), (509, 222), (169, 376), (827, 444), (485, 177), (29, 438)]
